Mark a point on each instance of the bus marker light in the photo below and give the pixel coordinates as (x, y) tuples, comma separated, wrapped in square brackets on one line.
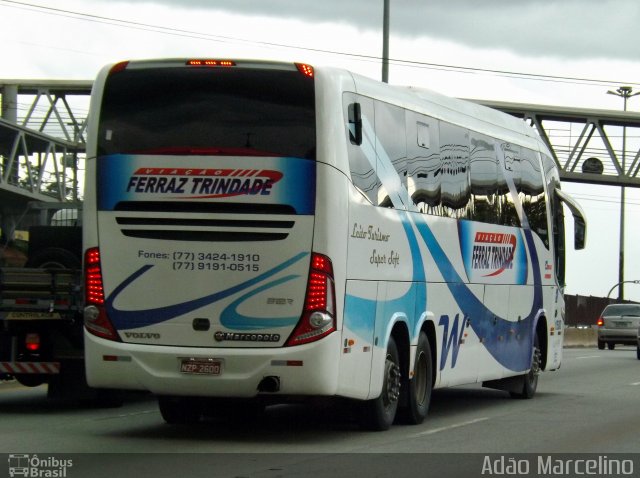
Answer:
[(210, 62), (116, 358), (305, 69), (287, 363)]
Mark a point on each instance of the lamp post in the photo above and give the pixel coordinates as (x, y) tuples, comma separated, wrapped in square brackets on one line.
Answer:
[(385, 42), (624, 92), (620, 284)]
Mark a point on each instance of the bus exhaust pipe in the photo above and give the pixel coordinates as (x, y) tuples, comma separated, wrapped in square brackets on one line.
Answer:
[(270, 384)]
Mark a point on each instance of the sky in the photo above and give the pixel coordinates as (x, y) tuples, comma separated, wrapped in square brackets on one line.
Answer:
[(548, 52)]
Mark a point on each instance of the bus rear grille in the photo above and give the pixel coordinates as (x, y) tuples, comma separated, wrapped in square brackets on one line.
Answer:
[(231, 222), (164, 221), (204, 236), (205, 207)]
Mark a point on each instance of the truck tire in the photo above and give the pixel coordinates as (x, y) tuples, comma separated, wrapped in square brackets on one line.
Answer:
[(54, 258), (31, 379)]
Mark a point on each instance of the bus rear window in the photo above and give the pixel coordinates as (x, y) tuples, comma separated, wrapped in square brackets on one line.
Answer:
[(228, 111)]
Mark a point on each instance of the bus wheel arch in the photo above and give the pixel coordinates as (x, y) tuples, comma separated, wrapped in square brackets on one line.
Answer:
[(542, 337), (525, 385), (538, 361), (379, 413)]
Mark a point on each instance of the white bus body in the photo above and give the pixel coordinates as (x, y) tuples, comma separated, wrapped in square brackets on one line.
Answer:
[(259, 230)]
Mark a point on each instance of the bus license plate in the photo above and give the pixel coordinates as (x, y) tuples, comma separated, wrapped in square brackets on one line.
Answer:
[(201, 366)]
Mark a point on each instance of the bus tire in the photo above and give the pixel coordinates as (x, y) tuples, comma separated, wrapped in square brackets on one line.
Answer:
[(378, 414), (180, 410), (530, 379), (420, 385)]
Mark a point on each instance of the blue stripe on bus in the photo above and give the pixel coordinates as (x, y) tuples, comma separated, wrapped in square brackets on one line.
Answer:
[(234, 320), (509, 342), (132, 319), (360, 312), (508, 352)]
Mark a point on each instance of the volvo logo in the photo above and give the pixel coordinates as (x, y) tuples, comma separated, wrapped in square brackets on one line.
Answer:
[(142, 335)]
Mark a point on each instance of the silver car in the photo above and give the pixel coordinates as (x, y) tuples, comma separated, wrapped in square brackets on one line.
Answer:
[(618, 324)]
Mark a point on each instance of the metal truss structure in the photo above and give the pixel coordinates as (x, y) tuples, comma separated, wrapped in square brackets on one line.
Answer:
[(42, 139), (589, 146)]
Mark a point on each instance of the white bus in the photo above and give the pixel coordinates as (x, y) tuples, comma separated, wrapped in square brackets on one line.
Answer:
[(262, 232)]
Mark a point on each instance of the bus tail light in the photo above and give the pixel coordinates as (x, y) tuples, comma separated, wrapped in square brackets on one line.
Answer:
[(118, 67), (305, 69), (95, 314), (319, 314)]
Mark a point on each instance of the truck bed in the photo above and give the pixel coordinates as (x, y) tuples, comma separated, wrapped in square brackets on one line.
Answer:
[(27, 293)]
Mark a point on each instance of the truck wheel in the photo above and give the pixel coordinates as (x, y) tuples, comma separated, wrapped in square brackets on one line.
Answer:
[(31, 379), (54, 258)]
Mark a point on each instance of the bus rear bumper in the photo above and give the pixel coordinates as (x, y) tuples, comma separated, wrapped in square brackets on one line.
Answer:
[(309, 369)]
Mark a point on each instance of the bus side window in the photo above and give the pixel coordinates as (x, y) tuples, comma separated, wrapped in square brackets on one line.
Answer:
[(507, 212), (360, 150), (483, 174), (355, 124), (557, 218), (455, 185), (391, 155), (532, 195), (424, 168)]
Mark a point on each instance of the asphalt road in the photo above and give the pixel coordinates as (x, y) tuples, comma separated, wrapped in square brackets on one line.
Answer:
[(589, 406)]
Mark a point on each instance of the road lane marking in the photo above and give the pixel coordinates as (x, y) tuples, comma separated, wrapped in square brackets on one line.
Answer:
[(635, 384), (121, 415), (587, 357), (451, 427)]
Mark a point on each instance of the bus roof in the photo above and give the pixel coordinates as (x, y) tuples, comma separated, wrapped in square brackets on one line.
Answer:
[(473, 116)]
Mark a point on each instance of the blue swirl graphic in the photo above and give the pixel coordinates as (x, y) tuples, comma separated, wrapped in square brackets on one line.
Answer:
[(232, 319), (132, 319), (510, 343)]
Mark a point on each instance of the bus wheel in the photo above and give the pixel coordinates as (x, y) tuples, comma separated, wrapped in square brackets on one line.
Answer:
[(530, 378), (420, 386), (378, 414), (180, 410)]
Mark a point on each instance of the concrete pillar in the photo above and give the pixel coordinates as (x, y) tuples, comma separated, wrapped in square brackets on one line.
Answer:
[(9, 108), (9, 104)]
